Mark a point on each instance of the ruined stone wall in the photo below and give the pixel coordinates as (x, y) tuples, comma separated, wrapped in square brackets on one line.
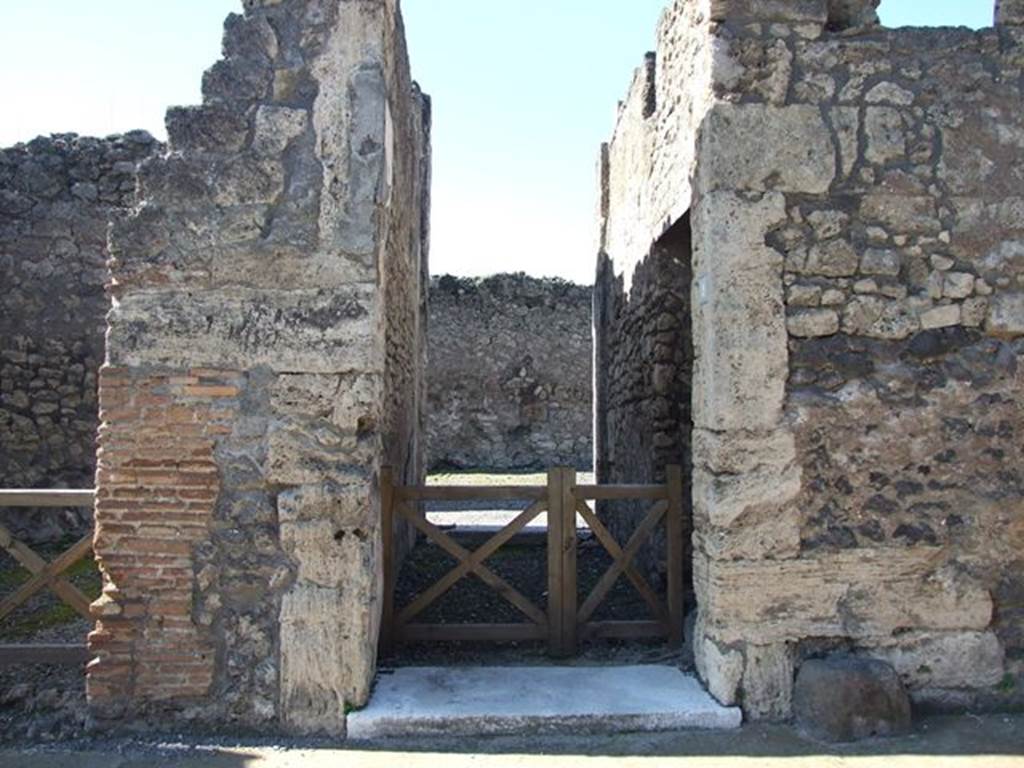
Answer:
[(856, 325), (642, 315), (57, 196), (509, 374), (258, 369)]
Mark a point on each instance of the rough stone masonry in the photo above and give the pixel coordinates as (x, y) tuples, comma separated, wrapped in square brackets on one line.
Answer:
[(810, 291), (509, 374), (264, 360), (57, 196), (856, 305)]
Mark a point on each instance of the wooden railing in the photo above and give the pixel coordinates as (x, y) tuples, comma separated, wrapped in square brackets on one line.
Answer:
[(563, 623), (45, 574)]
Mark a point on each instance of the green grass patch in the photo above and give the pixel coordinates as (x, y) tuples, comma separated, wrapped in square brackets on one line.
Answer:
[(44, 610)]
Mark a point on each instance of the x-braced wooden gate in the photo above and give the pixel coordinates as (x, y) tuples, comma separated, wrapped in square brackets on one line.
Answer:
[(564, 621)]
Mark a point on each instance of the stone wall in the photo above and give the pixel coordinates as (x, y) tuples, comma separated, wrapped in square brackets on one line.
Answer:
[(510, 365), (856, 333), (261, 369), (642, 302), (57, 196)]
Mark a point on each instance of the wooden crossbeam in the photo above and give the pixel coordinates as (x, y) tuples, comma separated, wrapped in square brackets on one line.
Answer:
[(485, 574), (45, 574), (43, 654), (468, 565), (607, 581), (608, 541), (46, 498)]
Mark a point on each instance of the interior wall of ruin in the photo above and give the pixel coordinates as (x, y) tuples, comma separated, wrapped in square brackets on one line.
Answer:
[(509, 374), (643, 355), (856, 326), (260, 370), (57, 196)]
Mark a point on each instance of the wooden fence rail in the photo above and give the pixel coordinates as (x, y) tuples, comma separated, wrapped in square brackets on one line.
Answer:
[(44, 575), (564, 622)]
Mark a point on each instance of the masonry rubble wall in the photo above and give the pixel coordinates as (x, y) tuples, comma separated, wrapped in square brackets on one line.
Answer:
[(509, 374), (261, 368), (857, 324), (57, 196)]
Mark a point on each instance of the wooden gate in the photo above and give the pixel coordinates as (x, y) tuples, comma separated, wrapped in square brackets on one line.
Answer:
[(44, 575), (564, 621)]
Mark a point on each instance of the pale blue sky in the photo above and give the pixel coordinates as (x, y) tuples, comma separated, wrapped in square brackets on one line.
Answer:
[(524, 92)]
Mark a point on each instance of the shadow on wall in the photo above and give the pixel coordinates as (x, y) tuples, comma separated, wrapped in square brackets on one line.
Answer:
[(509, 374), (643, 375)]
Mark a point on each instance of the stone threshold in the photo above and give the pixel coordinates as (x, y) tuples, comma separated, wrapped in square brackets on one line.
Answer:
[(490, 701)]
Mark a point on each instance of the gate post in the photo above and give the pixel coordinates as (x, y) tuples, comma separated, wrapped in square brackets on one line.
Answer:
[(674, 558), (387, 513), (568, 550), (555, 525)]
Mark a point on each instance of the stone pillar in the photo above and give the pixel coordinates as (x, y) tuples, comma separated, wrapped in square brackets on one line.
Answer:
[(1009, 12), (260, 351), (746, 474)]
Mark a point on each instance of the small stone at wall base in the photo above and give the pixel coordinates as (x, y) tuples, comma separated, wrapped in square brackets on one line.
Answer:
[(845, 699)]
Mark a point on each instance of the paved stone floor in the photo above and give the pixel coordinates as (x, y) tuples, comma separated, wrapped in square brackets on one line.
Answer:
[(942, 742)]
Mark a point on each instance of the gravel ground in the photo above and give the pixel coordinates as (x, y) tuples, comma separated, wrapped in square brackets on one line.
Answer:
[(523, 563), (43, 702)]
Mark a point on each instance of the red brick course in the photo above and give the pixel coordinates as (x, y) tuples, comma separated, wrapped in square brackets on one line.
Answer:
[(157, 486)]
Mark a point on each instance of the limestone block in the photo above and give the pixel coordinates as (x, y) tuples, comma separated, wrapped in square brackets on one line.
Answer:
[(846, 123), (890, 93), (966, 165), (886, 138), (349, 402), (793, 151), (813, 323), (861, 593), (324, 331), (944, 660), (850, 14), (766, 531), (1010, 12), (879, 318), (742, 483), (1006, 315), (347, 507), (270, 264), (276, 127), (247, 180), (881, 262), (958, 285), (803, 295), (941, 317), (740, 339), (325, 552), (832, 258), (902, 214), (306, 455), (768, 682), (327, 653), (720, 668), (794, 11)]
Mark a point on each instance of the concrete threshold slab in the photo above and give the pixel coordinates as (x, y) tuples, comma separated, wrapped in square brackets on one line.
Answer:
[(483, 701)]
